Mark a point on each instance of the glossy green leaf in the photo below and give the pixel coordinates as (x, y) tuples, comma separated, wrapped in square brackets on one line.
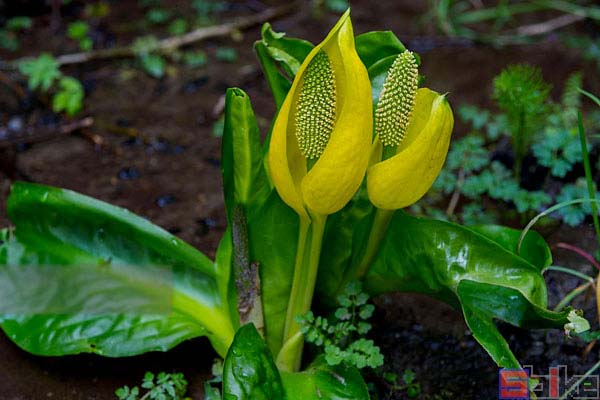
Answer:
[(244, 178), (59, 227), (280, 58), (467, 270), (321, 381), (249, 372), (377, 45), (482, 303), (273, 233), (272, 227), (533, 249)]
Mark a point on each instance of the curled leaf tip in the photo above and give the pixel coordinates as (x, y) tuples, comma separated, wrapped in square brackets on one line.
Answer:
[(397, 100), (315, 110)]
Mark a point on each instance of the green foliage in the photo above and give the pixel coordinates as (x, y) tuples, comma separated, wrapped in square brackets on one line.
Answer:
[(8, 40), (588, 46), (161, 387), (209, 7), (218, 126), (226, 54), (470, 173), (342, 337), (574, 215), (145, 45), (41, 71), (337, 6), (571, 100), (488, 280), (211, 392), (409, 383), (494, 125), (497, 23), (79, 31), (247, 357), (69, 97), (157, 16), (558, 150), (522, 94), (154, 65), (19, 23), (178, 26), (469, 154), (195, 59)]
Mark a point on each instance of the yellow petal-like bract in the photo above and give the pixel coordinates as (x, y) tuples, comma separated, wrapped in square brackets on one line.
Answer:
[(401, 180), (327, 117)]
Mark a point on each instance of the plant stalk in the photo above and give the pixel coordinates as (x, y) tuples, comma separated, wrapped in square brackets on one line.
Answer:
[(381, 221), (310, 240)]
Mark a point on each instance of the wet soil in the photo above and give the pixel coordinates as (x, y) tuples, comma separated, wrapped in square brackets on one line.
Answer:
[(152, 150)]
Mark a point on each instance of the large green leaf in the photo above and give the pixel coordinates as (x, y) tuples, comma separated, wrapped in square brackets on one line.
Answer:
[(245, 187), (432, 257), (245, 180), (59, 227), (482, 303), (273, 232), (533, 249), (264, 229), (249, 372), (465, 269), (321, 381)]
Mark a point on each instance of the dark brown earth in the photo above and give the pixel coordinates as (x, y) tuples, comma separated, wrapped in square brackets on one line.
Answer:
[(170, 173)]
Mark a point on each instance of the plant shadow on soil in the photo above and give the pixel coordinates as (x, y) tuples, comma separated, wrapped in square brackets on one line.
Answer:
[(170, 174)]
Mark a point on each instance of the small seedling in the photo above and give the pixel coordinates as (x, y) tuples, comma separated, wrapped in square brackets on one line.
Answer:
[(226, 54), (409, 384), (79, 31), (160, 387), (342, 337)]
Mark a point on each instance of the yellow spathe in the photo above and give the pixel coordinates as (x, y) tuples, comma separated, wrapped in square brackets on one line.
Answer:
[(403, 179), (340, 169)]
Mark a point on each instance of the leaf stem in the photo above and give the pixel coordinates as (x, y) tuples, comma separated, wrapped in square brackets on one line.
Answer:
[(381, 222), (579, 381), (570, 271), (306, 268), (588, 175), (571, 295)]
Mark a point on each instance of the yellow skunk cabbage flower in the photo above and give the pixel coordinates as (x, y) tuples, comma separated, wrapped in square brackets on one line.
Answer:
[(320, 143), (404, 177)]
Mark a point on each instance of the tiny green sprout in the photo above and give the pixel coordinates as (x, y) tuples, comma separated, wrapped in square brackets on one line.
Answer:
[(41, 72), (577, 323), (397, 100), (226, 54), (160, 387), (412, 388), (342, 337), (69, 97)]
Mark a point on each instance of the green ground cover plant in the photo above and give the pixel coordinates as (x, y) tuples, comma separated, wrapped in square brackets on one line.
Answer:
[(314, 216)]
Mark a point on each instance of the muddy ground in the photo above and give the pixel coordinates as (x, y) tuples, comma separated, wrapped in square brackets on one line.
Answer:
[(170, 173)]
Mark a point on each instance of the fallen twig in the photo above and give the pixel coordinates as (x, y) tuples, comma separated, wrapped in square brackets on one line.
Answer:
[(169, 44), (551, 25), (49, 135)]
